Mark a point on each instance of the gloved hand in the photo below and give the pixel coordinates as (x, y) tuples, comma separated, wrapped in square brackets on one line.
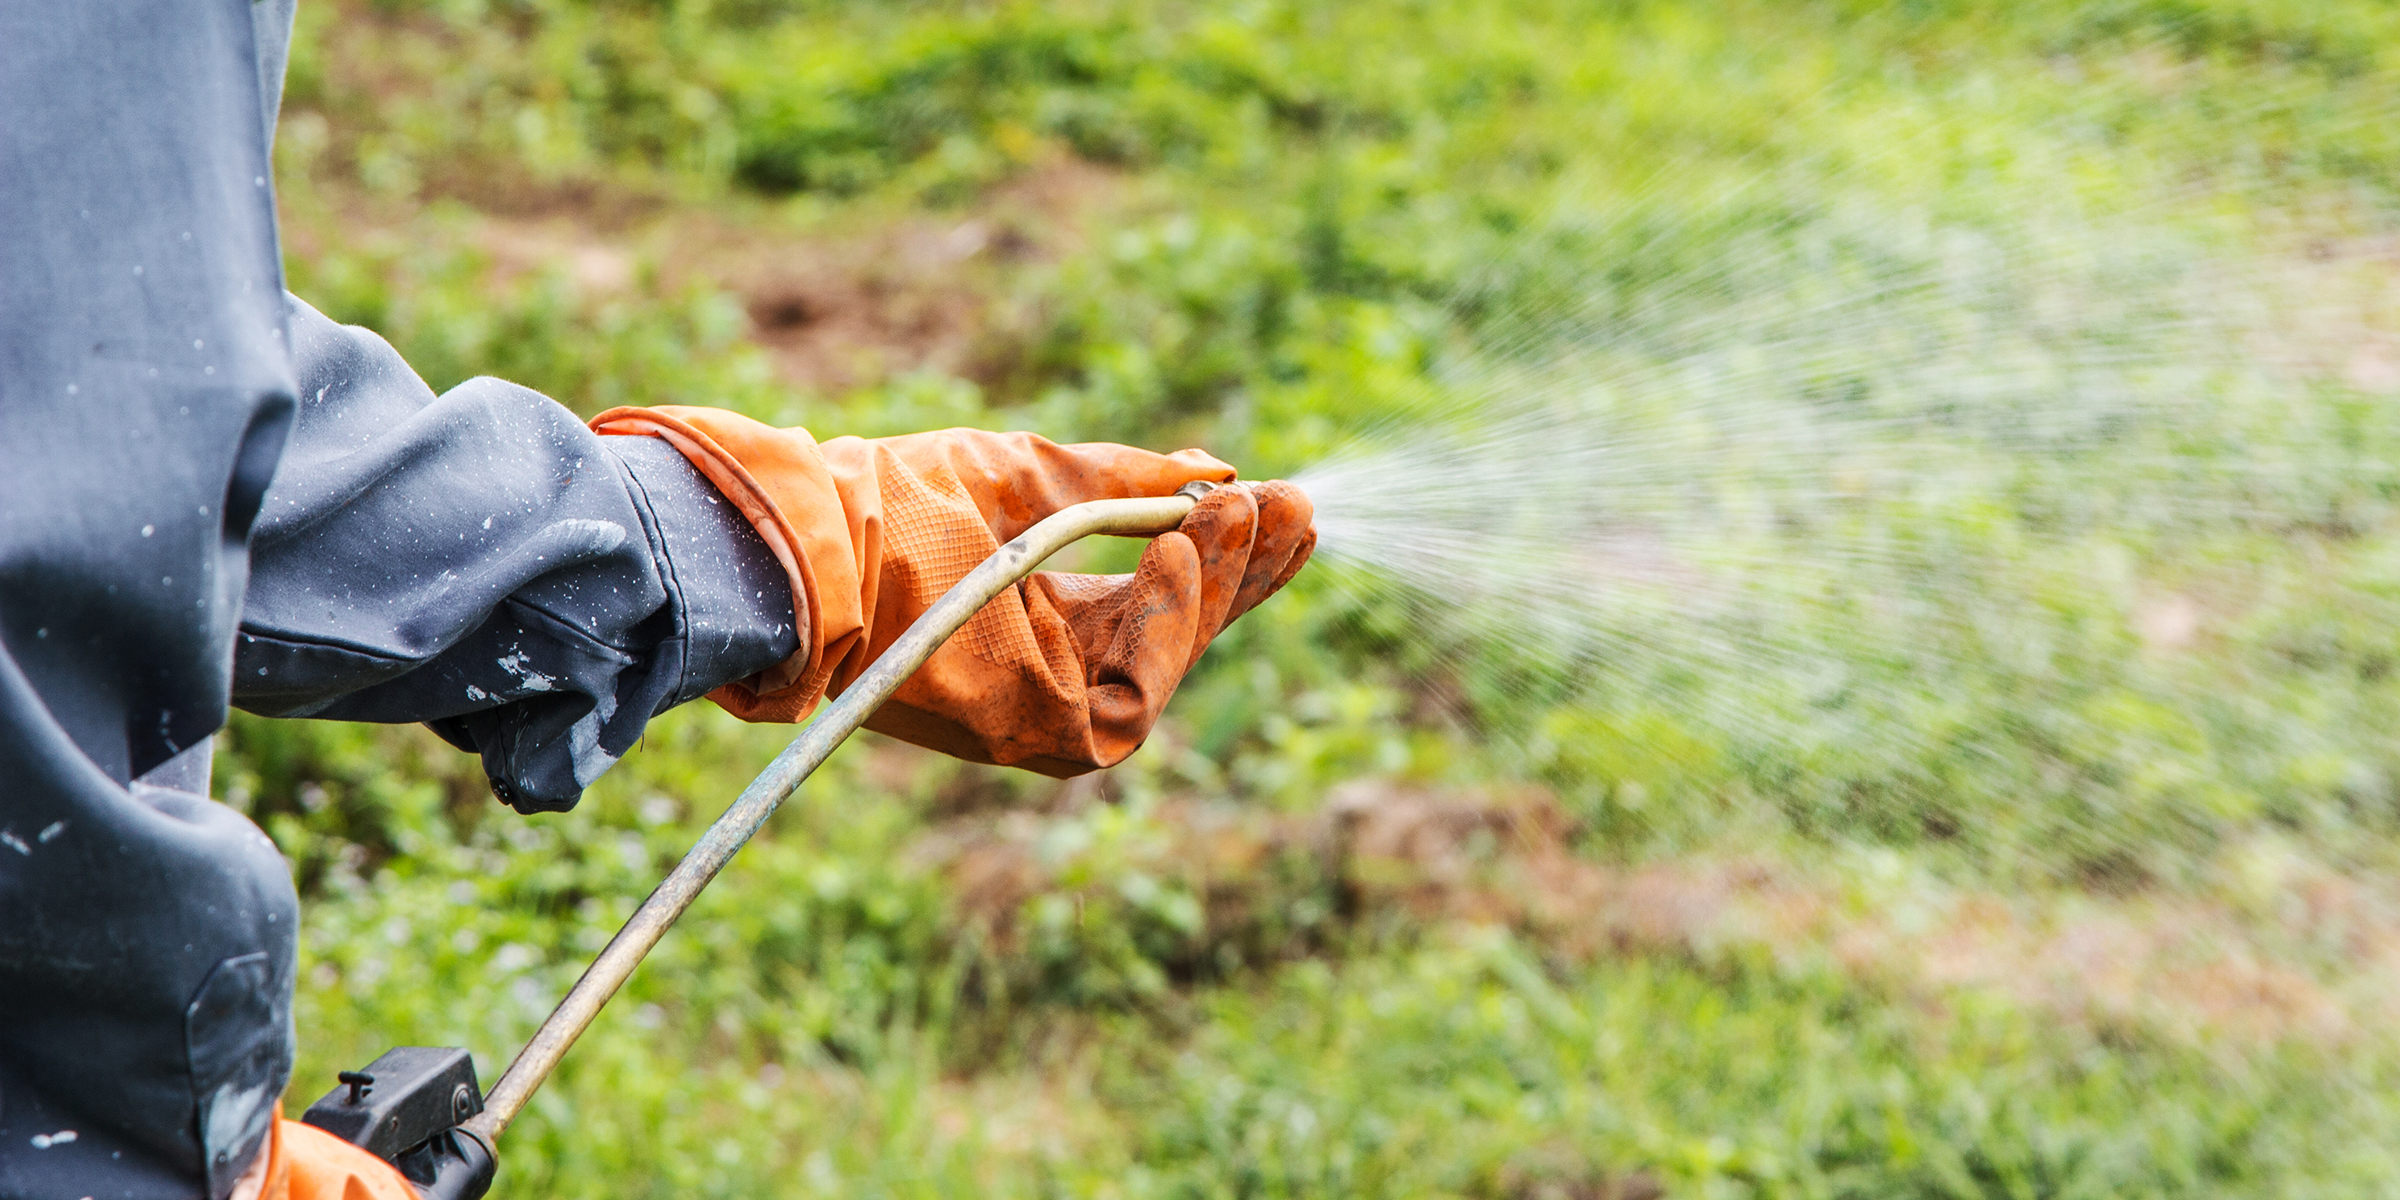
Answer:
[(303, 1162), (1063, 673)]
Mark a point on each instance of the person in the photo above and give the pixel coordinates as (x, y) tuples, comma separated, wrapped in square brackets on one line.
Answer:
[(211, 494)]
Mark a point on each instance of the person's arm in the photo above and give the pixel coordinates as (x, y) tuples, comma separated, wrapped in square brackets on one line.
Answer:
[(482, 562), (537, 592)]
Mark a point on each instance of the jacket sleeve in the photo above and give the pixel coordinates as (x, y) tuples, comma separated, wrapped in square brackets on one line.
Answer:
[(480, 561)]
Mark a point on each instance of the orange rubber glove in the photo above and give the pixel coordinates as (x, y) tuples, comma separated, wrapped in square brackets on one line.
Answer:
[(1062, 674), (304, 1162)]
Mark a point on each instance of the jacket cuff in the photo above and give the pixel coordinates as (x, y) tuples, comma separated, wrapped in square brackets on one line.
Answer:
[(816, 553), (735, 612)]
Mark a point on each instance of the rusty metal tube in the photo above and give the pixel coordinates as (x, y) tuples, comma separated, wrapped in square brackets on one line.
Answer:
[(838, 720)]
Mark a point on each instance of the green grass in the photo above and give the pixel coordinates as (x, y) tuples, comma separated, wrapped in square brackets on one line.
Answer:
[(835, 1018), (1267, 227)]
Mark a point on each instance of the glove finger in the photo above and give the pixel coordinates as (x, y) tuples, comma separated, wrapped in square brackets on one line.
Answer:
[(1017, 479), (1287, 533), (1221, 529), (1146, 656)]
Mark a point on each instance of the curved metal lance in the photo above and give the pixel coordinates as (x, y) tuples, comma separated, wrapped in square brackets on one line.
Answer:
[(1132, 517)]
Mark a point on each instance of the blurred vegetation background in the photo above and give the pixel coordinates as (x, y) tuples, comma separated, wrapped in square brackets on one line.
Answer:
[(1378, 912)]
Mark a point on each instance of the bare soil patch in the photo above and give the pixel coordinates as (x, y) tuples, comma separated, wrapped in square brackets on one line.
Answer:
[(834, 308), (2318, 963), (919, 293)]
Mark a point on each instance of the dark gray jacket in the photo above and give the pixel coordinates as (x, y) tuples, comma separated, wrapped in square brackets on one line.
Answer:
[(209, 493)]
